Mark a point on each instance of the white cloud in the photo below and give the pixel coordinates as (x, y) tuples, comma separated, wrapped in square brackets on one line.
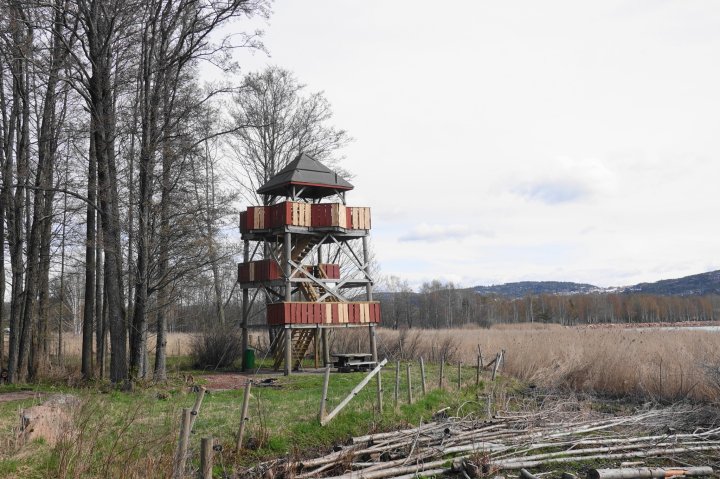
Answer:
[(439, 232)]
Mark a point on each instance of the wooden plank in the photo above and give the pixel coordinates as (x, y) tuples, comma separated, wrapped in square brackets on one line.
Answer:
[(243, 221), (308, 215), (353, 393)]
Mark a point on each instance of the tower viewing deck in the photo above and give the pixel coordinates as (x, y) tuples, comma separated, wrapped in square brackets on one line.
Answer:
[(309, 256)]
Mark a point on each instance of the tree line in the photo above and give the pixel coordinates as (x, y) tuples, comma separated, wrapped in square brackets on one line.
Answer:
[(443, 305), (122, 172)]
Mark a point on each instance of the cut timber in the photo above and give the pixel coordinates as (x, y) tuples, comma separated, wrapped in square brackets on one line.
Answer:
[(648, 472), (525, 474), (353, 393)]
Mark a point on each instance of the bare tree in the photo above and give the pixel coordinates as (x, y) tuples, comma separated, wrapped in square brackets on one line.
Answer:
[(280, 120), (175, 35)]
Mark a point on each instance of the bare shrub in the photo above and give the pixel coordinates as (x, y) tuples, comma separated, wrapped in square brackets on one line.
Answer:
[(216, 348), (355, 340)]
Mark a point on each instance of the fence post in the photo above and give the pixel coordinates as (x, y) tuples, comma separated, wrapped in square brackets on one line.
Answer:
[(442, 370), (479, 367), (496, 366), (459, 375), (422, 376), (397, 382), (181, 453), (206, 457), (196, 407), (244, 416), (409, 383), (379, 393), (323, 398)]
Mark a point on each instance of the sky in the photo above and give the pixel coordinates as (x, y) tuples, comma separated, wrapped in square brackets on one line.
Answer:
[(521, 140)]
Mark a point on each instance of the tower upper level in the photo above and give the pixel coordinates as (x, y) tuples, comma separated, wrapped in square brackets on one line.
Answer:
[(299, 188), (305, 177)]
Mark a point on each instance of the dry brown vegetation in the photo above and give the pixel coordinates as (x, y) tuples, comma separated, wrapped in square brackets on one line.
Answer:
[(647, 363), (178, 344), (667, 365)]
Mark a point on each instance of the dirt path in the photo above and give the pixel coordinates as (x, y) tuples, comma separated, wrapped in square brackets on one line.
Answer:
[(18, 395), (225, 381)]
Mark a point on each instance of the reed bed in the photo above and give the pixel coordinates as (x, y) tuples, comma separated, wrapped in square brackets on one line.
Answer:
[(646, 363), (656, 364)]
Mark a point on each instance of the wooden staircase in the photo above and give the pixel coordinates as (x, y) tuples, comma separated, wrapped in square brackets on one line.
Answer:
[(312, 292), (302, 338), (301, 341), (303, 246)]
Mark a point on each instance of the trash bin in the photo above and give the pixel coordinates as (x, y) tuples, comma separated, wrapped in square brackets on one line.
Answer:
[(249, 359)]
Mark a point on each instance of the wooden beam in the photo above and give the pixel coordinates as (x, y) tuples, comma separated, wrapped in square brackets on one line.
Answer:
[(353, 393)]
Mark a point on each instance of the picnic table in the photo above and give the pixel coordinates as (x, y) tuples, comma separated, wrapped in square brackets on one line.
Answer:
[(347, 362)]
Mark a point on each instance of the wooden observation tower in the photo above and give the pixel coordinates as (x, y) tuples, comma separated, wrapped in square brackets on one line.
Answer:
[(294, 249)]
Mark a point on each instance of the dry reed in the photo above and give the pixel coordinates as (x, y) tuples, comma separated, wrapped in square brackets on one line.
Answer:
[(649, 363), (663, 365)]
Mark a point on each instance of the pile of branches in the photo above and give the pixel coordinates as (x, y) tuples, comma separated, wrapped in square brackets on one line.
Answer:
[(513, 441)]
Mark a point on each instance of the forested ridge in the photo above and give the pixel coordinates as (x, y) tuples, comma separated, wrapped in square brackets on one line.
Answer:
[(443, 305)]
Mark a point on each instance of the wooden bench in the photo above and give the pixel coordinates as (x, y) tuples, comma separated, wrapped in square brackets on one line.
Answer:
[(357, 366), (347, 362)]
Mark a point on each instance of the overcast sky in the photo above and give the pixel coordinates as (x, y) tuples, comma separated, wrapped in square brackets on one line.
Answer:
[(522, 140)]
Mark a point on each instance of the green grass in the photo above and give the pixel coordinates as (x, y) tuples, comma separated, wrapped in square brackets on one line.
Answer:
[(127, 433)]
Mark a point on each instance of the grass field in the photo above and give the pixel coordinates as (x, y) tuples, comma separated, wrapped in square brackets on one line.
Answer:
[(133, 435)]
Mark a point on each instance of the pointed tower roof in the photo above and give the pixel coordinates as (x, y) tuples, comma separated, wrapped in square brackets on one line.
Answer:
[(305, 172)]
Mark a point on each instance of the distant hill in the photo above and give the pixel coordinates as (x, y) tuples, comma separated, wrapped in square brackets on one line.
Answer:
[(523, 288), (694, 285)]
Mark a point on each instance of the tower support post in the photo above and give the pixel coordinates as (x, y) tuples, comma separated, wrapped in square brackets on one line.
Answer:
[(369, 295), (325, 347), (373, 343), (287, 269), (245, 307), (288, 351)]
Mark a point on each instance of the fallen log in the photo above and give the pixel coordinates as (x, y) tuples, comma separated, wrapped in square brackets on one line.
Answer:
[(648, 473), (519, 463), (394, 471)]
